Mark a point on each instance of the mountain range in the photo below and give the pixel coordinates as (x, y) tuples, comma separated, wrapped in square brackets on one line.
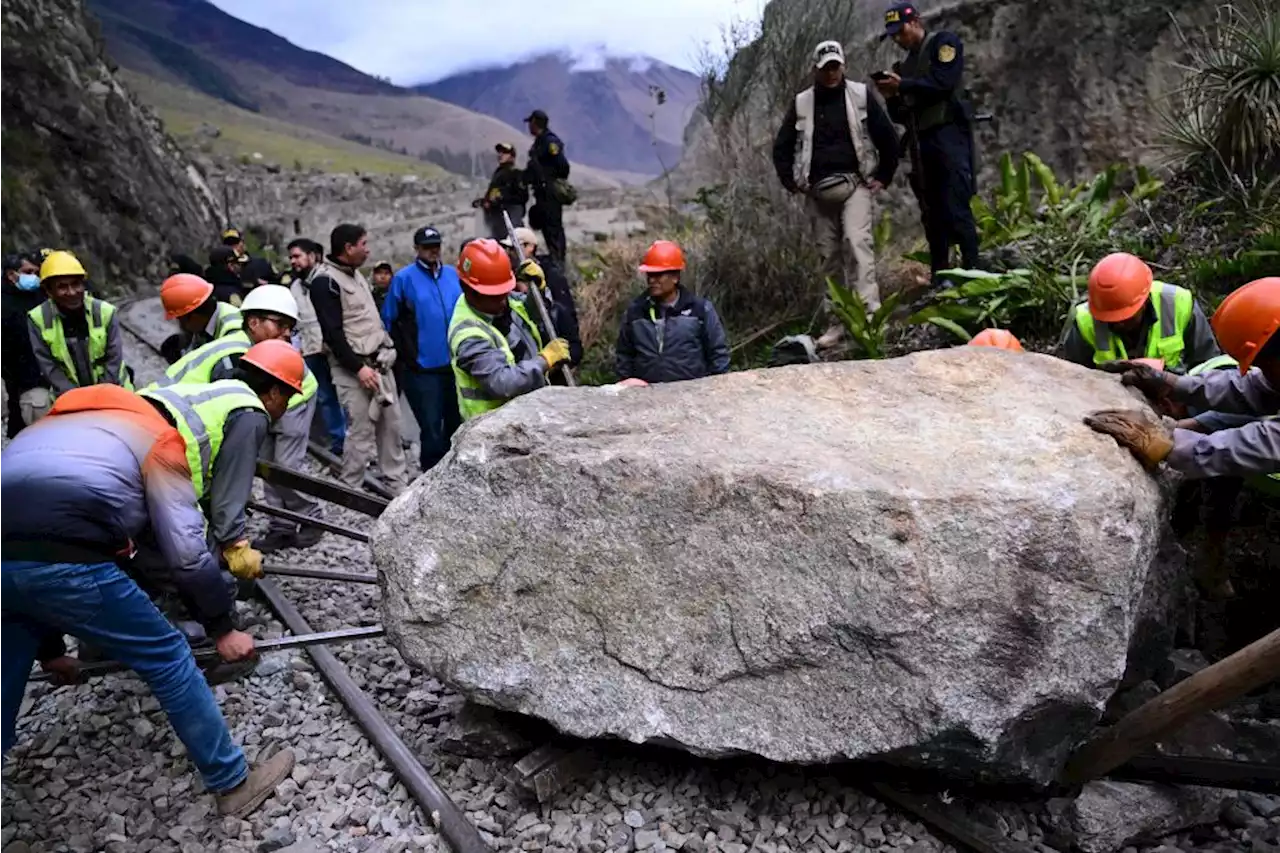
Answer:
[(613, 127)]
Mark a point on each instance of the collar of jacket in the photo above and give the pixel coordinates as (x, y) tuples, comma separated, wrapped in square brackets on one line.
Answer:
[(351, 271), (433, 272), (683, 301)]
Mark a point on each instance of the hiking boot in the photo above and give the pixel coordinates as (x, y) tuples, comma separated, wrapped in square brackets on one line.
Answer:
[(308, 537), (221, 672), (832, 337), (261, 783), (277, 540)]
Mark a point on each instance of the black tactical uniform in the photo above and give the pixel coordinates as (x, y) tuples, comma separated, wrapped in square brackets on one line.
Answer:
[(939, 141), (507, 192), (547, 163)]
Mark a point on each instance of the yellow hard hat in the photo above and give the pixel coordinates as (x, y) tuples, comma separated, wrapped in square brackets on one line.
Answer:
[(60, 263)]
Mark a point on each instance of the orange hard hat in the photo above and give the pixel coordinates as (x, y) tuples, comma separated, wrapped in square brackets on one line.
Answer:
[(998, 338), (484, 267), (1118, 287), (279, 359), (663, 256), (183, 293), (1247, 319)]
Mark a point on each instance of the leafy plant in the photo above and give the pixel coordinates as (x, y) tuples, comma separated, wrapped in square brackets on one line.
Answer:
[(1032, 301), (1225, 118), (868, 329)]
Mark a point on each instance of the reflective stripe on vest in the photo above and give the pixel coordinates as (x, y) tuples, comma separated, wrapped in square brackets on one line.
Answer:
[(226, 319), (98, 316), (855, 104), (1218, 362), (196, 367), (466, 324), (1174, 307), (200, 414)]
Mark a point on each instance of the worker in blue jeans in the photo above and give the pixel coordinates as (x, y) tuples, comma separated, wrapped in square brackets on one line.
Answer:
[(416, 313), (77, 488)]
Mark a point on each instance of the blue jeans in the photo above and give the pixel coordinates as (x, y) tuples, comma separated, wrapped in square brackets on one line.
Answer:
[(434, 401), (335, 421), (99, 604)]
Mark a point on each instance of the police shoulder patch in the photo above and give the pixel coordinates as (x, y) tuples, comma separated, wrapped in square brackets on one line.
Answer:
[(946, 53), (554, 148)]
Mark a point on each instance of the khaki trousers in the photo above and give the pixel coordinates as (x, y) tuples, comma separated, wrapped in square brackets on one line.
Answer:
[(286, 444), (843, 234), (365, 436)]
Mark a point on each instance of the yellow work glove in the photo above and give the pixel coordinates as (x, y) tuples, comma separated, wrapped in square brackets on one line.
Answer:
[(531, 271), (555, 352), (1149, 442), (243, 560)]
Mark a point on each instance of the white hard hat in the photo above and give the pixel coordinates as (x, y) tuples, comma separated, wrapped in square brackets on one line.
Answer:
[(271, 298)]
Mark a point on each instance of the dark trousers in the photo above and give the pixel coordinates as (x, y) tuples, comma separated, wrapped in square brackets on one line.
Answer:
[(14, 423), (947, 159), (434, 401), (553, 228), (498, 228)]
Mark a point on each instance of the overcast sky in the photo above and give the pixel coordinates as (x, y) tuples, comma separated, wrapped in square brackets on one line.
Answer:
[(414, 41)]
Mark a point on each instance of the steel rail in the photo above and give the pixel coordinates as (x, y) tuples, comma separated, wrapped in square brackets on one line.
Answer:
[(436, 804), (318, 487), (275, 569), (299, 518)]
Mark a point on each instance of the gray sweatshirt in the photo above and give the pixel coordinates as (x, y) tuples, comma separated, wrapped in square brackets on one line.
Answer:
[(231, 479), (1250, 449), (488, 365)]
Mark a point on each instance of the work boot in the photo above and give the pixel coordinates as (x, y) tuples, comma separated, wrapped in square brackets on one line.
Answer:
[(261, 783), (277, 540), (308, 537), (832, 337)]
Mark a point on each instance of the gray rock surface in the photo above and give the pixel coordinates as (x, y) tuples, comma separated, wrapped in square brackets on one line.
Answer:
[(1108, 815), (929, 560), (90, 168)]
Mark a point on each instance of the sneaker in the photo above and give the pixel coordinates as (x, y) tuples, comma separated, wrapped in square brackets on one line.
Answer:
[(308, 537), (261, 783), (277, 540)]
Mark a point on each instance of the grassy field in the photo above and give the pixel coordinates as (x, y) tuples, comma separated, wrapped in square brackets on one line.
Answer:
[(244, 133)]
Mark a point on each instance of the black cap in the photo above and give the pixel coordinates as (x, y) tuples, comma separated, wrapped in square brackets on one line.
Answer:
[(897, 15), (538, 116), (427, 236), (12, 262), (220, 255)]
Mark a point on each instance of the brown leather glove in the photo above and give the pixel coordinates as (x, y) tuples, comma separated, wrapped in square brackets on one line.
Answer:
[(1150, 442), (1156, 384)]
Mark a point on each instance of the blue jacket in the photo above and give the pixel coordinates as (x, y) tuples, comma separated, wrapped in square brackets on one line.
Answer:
[(417, 312), (669, 343)]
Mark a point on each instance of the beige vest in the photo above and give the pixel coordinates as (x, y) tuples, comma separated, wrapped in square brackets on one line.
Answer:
[(361, 325), (308, 326), (855, 103)]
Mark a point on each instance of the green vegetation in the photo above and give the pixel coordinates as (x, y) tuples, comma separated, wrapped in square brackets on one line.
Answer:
[(243, 134)]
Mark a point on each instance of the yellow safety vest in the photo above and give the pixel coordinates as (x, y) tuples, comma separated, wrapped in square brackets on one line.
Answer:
[(196, 367), (98, 313), (466, 324), (1174, 307), (200, 413), (226, 319)]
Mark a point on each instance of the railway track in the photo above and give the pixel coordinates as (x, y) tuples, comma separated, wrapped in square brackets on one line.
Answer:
[(545, 770)]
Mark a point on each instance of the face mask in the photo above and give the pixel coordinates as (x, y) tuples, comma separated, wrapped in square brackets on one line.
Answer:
[(28, 281)]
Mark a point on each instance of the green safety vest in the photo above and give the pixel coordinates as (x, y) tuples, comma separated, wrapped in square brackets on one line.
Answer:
[(1174, 307), (473, 400), (196, 367), (226, 319), (99, 313), (200, 412), (1218, 362)]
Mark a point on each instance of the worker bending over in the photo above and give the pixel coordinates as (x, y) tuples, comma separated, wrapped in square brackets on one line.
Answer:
[(495, 348), (1130, 315), (78, 487), (270, 313), (1246, 324), (75, 337), (224, 423), (190, 300)]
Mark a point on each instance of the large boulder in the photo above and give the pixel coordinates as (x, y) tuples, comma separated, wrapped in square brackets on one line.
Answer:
[(928, 560)]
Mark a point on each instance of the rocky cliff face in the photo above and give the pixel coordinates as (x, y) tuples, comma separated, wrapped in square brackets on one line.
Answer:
[(1080, 83), (86, 167)]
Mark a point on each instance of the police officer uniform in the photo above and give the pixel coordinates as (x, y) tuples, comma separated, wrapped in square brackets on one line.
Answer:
[(547, 163), (507, 193), (929, 104)]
